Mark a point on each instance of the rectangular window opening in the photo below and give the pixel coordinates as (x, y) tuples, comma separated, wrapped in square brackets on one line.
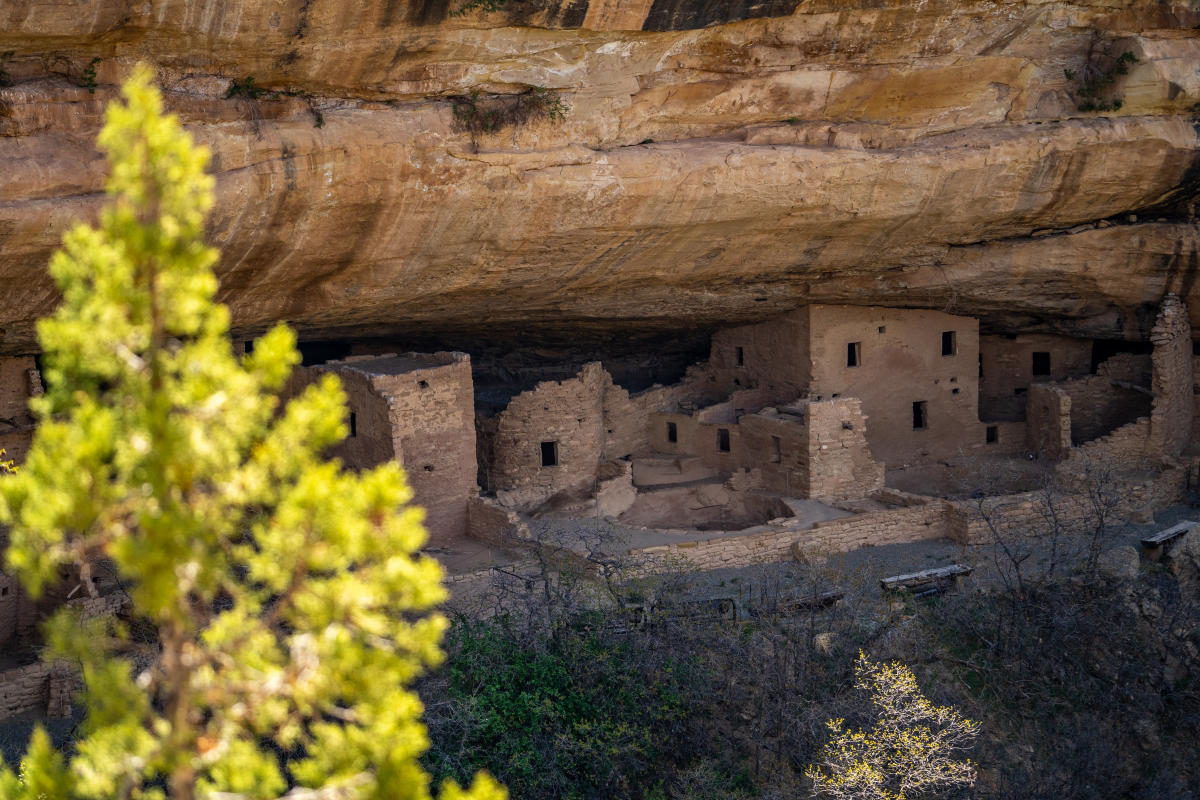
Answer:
[(723, 439), (741, 357), (991, 434), (672, 432), (920, 417), (777, 450), (549, 454), (883, 328), (949, 343), (353, 424), (1041, 363), (853, 354)]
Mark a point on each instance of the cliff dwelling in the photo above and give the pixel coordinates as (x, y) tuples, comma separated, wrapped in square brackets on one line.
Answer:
[(831, 426)]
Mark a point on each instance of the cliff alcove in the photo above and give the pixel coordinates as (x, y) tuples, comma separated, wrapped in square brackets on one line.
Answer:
[(713, 164)]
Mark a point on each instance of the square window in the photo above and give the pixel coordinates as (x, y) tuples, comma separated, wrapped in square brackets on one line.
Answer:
[(920, 418), (853, 354), (1041, 363), (991, 434), (949, 343), (883, 328), (741, 356), (672, 432), (723, 439), (954, 391), (549, 454)]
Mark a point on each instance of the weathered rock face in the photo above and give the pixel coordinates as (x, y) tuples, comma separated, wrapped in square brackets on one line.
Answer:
[(719, 162)]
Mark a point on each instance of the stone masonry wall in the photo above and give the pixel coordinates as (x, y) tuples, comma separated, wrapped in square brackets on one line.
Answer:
[(568, 413), (1171, 416), (370, 443), (769, 435), (19, 380), (774, 355), (1006, 367), (840, 461), (1123, 450), (774, 545), (39, 687), (419, 410), (1049, 422), (900, 362), (489, 522), (1196, 399), (823, 454), (1030, 513), (1099, 405), (16, 609), (433, 435), (629, 419)]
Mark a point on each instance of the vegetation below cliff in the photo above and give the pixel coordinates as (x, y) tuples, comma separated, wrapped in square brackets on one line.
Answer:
[(1086, 686)]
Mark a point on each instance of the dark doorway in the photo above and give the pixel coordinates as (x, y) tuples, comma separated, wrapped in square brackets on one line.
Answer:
[(549, 454)]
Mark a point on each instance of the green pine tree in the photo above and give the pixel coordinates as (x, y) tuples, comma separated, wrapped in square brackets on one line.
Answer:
[(290, 606)]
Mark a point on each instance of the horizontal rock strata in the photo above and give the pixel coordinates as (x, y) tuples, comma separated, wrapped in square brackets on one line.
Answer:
[(715, 163)]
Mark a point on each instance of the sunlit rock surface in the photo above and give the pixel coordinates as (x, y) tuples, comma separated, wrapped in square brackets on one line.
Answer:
[(719, 162)]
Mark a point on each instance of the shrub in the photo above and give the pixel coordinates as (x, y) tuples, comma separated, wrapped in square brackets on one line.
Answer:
[(911, 751)]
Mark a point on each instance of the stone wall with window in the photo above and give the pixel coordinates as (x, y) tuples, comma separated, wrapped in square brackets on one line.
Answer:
[(549, 440), (418, 409), (772, 355), (812, 449), (1010, 365), (915, 372)]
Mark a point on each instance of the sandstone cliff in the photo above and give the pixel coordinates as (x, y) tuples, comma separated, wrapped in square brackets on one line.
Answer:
[(718, 161)]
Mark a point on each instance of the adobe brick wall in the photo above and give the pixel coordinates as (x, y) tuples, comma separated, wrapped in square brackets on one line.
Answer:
[(1007, 366)]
